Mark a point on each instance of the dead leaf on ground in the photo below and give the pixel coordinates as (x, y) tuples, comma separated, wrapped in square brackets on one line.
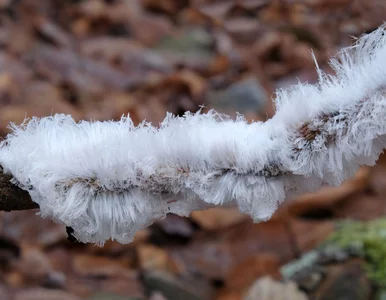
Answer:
[(328, 197), (99, 266), (44, 294), (154, 258), (34, 265), (218, 218), (245, 273)]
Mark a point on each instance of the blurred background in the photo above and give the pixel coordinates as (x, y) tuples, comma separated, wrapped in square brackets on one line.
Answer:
[(101, 59)]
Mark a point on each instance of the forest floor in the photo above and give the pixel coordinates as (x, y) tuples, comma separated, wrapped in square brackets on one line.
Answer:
[(98, 59)]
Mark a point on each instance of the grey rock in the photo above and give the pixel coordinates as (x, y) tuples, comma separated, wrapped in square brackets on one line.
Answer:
[(244, 96), (305, 271), (381, 295), (308, 260), (111, 296), (347, 281), (174, 288), (333, 254), (310, 279), (192, 47)]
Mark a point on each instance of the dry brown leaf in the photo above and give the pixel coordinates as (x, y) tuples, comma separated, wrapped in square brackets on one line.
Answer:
[(99, 266), (328, 197), (44, 294), (253, 4), (154, 258), (150, 29), (195, 83), (81, 27), (230, 295), (67, 67), (4, 3), (170, 7), (52, 32), (93, 8), (48, 99), (218, 65), (216, 10), (245, 273), (34, 265), (4, 292), (214, 254), (242, 30), (14, 279), (109, 48), (10, 92), (194, 16), (218, 218), (307, 234), (45, 233), (114, 249)]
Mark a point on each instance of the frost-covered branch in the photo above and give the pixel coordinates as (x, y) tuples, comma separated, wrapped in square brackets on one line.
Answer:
[(110, 179)]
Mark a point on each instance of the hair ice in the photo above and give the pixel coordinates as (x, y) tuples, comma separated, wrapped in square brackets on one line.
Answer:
[(110, 179)]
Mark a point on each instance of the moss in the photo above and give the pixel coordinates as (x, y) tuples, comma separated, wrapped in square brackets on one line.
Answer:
[(367, 240)]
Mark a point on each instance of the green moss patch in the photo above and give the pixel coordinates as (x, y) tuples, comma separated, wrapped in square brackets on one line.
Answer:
[(367, 240)]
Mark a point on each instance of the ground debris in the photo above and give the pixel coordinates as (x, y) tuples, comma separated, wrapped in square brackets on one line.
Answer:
[(101, 59)]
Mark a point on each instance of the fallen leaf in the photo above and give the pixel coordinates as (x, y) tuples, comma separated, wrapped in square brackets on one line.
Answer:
[(308, 234), (245, 273), (99, 266), (154, 258), (34, 265), (218, 218), (170, 7), (44, 294), (17, 226), (328, 197)]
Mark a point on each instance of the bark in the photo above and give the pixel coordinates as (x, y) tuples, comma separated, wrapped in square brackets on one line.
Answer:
[(12, 197)]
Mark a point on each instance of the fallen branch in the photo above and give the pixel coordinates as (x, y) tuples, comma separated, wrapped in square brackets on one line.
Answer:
[(110, 179), (12, 197)]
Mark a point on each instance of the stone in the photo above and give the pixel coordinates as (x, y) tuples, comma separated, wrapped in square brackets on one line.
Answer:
[(174, 288), (347, 281), (111, 296), (244, 96), (381, 295), (268, 289), (44, 294)]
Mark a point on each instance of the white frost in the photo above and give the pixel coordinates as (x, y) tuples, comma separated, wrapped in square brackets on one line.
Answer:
[(110, 179)]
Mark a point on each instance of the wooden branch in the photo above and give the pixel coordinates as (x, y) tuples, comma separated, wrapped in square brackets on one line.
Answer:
[(13, 197)]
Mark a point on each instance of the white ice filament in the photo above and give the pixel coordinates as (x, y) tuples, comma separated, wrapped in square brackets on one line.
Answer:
[(110, 179)]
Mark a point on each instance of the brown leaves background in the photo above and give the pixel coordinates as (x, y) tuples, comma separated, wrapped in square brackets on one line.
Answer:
[(98, 59)]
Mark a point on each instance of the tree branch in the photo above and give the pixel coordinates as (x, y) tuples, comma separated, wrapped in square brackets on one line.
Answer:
[(13, 197), (107, 180)]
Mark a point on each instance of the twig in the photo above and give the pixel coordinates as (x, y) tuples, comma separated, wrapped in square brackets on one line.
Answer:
[(110, 179), (12, 197)]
